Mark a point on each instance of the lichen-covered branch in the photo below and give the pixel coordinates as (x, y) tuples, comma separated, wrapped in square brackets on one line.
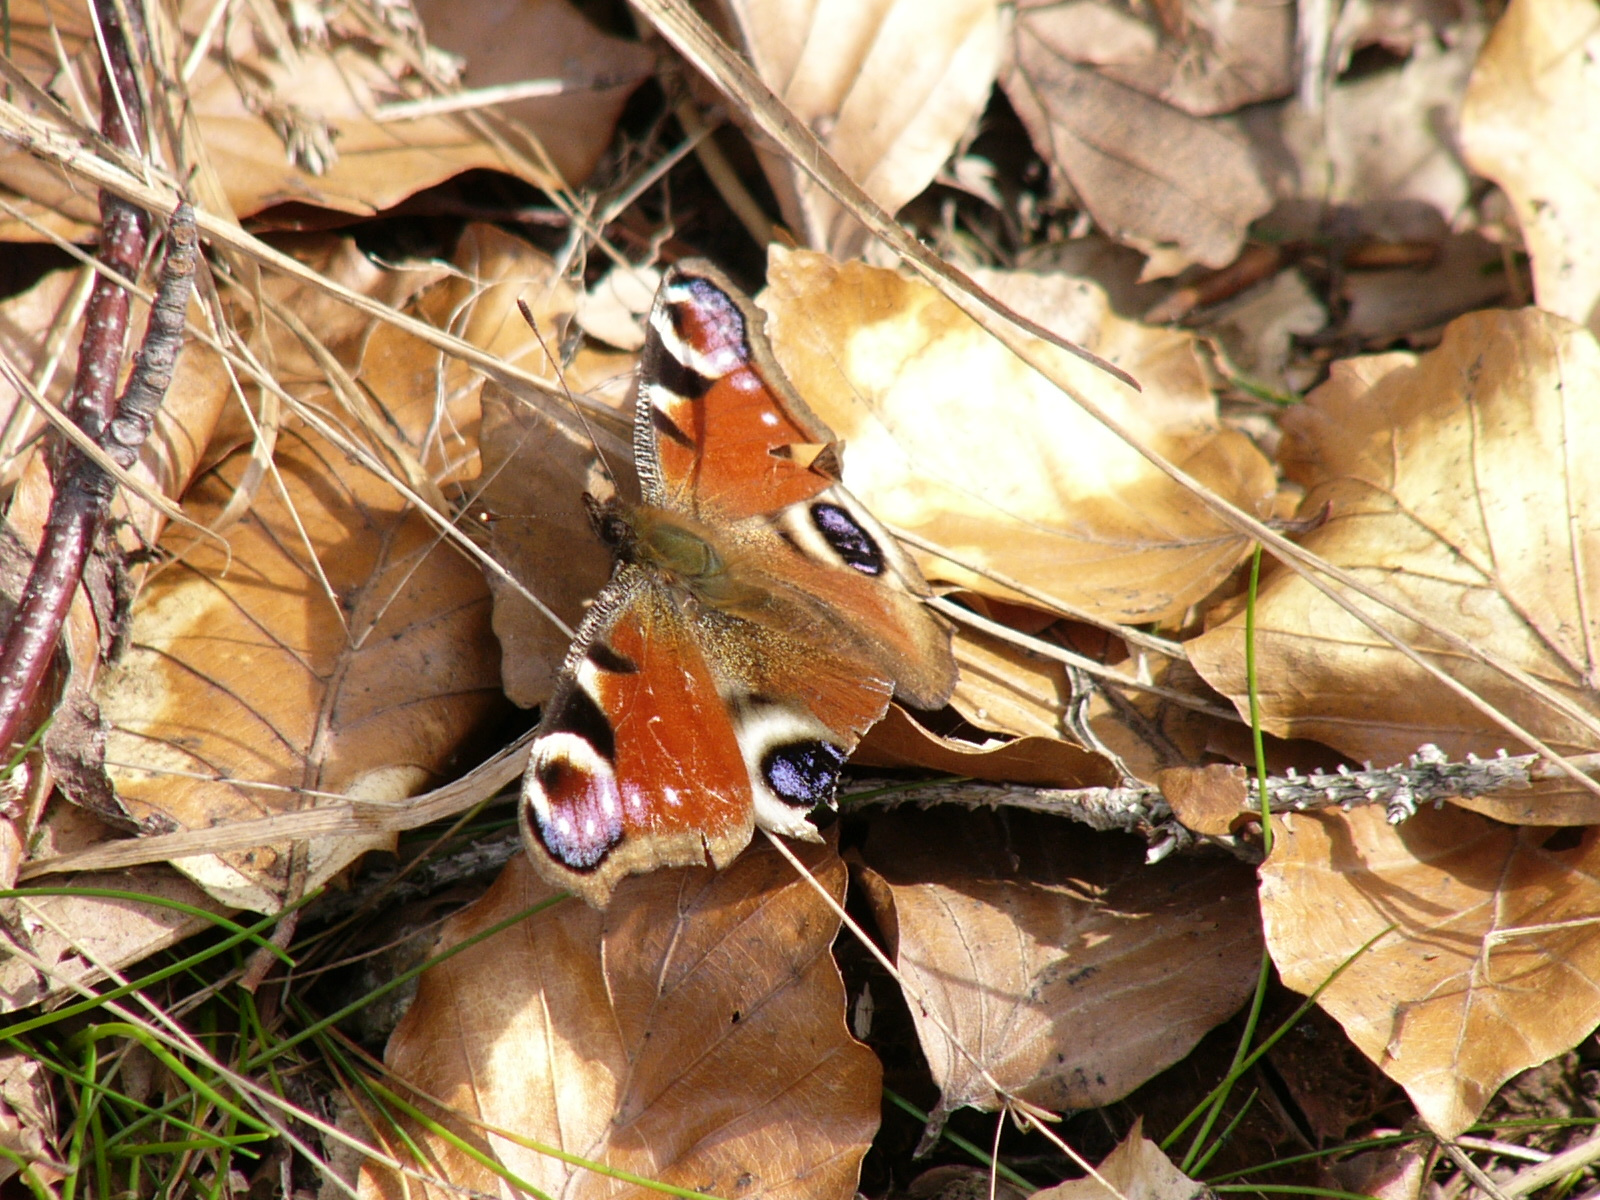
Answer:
[(1428, 777)]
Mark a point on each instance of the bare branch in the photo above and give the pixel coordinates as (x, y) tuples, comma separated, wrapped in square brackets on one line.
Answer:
[(83, 489)]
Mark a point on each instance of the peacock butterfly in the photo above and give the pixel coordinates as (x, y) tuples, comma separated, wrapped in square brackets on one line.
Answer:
[(757, 621)]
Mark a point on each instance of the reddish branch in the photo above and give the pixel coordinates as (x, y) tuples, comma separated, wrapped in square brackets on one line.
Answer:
[(82, 488)]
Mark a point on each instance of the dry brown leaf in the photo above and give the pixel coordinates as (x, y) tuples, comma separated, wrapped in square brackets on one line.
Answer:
[(1354, 151), (1460, 482), (1528, 115), (692, 1033), (1007, 688), (28, 1130), (538, 462), (1226, 56), (82, 937), (1136, 1170), (347, 649), (1019, 932), (1485, 960), (1150, 175), (1033, 488), (243, 690), (285, 122), (1393, 1173), (889, 118), (529, 40), (1209, 800)]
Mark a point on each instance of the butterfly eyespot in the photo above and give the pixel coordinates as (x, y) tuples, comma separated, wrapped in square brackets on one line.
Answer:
[(803, 774), (849, 540), (571, 803)]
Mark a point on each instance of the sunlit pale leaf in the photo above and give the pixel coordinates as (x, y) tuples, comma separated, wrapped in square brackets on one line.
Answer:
[(1484, 959), (949, 435), (1528, 114), (1136, 1170), (1462, 483), (888, 117)]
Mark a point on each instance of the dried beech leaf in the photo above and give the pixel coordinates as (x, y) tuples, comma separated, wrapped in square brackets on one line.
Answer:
[(346, 649), (889, 118), (287, 122), (1460, 482), (1021, 932), (83, 937), (692, 1033), (1007, 688), (538, 461), (1043, 493), (1208, 800), (1353, 151), (29, 1131), (1150, 175), (1486, 960), (527, 40), (1136, 1170), (41, 343), (1533, 101), (259, 676), (1227, 56)]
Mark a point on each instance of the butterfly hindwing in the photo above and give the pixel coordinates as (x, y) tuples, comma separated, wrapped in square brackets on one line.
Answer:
[(636, 764)]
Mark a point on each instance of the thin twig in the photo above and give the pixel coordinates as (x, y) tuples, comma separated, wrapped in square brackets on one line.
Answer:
[(82, 490)]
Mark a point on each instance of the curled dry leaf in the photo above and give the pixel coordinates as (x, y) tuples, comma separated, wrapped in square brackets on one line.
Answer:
[(898, 741), (1459, 482), (1534, 98), (28, 1128), (1050, 952), (692, 1033), (891, 119), (347, 648), (1150, 174), (284, 122), (1483, 960), (949, 435), (1136, 1170)]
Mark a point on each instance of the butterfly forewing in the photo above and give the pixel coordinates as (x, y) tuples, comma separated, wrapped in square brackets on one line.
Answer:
[(718, 430)]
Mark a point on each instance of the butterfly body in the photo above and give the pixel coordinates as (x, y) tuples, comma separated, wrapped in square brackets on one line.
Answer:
[(757, 622)]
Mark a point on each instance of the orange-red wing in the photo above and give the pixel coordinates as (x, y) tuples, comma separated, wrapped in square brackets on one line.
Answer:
[(719, 430), (637, 764)]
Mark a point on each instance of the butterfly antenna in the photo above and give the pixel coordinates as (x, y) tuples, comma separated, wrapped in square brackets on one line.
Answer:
[(600, 455)]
